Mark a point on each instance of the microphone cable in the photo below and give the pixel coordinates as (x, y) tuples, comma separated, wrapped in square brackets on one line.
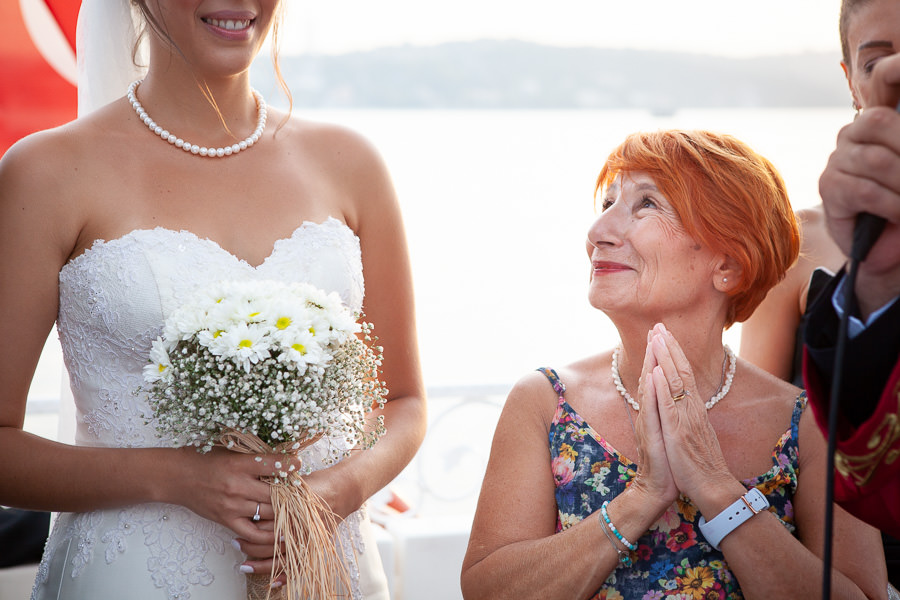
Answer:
[(865, 233)]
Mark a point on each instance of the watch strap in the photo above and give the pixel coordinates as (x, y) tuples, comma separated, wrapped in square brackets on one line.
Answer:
[(729, 519)]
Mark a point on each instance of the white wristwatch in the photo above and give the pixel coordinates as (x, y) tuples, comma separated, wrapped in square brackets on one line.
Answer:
[(727, 521)]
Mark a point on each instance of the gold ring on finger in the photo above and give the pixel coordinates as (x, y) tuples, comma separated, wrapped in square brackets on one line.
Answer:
[(680, 395)]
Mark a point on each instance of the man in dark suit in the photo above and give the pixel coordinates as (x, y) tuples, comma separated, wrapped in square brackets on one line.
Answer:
[(863, 175)]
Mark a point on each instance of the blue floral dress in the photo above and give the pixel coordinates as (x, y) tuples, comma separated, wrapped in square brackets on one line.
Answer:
[(673, 559)]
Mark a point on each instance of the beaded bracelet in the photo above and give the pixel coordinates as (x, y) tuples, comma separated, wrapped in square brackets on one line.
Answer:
[(624, 557), (629, 545)]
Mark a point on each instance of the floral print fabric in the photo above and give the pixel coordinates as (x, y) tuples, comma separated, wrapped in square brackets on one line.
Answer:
[(673, 559)]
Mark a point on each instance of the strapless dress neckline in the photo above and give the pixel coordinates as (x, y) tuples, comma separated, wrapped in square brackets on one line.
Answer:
[(328, 223)]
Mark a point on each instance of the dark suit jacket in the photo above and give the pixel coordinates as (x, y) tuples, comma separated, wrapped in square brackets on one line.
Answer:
[(867, 461)]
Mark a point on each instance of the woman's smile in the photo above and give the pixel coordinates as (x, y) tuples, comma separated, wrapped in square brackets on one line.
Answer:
[(230, 25), (603, 267)]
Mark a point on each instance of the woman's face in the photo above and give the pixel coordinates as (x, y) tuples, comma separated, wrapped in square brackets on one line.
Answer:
[(873, 32), (222, 36), (642, 260)]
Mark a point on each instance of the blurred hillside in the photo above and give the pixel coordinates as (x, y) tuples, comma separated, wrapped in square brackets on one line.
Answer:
[(512, 74)]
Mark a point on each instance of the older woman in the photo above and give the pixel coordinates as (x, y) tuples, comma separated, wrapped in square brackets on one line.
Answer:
[(724, 497)]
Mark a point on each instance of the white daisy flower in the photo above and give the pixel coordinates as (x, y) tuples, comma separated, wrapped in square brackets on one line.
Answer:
[(245, 344), (160, 365)]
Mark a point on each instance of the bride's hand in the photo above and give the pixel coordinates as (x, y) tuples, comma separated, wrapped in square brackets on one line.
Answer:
[(337, 489), (225, 487), (654, 477), (260, 561)]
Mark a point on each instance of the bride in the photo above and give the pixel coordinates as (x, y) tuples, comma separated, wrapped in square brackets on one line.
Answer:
[(106, 226)]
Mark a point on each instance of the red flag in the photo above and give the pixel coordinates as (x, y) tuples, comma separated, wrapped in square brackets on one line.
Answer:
[(65, 13), (33, 95)]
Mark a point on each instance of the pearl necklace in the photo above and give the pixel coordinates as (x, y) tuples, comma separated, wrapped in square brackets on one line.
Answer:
[(724, 387), (194, 148)]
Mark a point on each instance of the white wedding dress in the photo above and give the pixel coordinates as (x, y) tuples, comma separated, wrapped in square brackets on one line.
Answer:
[(113, 300)]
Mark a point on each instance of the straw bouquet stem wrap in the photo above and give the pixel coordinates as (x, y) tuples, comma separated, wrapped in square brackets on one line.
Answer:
[(309, 557)]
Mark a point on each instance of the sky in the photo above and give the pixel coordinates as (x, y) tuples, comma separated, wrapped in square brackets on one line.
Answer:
[(720, 27)]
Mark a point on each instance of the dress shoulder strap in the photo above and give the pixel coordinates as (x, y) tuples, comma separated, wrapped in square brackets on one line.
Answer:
[(553, 377), (799, 407)]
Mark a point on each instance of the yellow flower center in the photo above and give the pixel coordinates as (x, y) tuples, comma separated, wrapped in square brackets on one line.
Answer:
[(245, 344), (218, 333), (283, 322), (299, 348), (312, 330), (162, 368)]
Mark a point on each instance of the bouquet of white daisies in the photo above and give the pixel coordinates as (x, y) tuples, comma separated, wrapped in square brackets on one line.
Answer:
[(271, 367)]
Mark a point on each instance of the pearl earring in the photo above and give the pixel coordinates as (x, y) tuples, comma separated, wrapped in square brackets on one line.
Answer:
[(724, 280)]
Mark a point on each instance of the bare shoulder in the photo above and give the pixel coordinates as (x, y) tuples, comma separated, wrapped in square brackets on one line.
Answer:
[(49, 180), (766, 400), (34, 178), (539, 391), (56, 158), (535, 395), (754, 416), (30, 160), (350, 165), (769, 388), (332, 143), (812, 217), (532, 395), (817, 247)]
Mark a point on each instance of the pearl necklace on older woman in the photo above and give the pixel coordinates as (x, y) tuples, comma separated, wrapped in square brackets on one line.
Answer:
[(194, 148), (724, 386)]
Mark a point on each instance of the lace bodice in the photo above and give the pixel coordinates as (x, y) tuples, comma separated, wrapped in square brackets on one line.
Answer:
[(113, 301), (114, 298)]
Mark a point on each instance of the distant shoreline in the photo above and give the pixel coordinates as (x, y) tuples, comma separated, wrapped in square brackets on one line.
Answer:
[(509, 74)]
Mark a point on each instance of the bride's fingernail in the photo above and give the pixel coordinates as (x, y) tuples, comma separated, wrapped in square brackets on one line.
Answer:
[(245, 569), (237, 545), (276, 584)]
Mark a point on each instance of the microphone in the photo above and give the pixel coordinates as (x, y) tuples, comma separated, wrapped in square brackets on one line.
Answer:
[(865, 233)]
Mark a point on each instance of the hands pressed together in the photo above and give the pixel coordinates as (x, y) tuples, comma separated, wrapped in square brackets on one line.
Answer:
[(678, 450)]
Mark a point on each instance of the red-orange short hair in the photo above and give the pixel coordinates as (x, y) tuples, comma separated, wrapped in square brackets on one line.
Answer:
[(729, 198)]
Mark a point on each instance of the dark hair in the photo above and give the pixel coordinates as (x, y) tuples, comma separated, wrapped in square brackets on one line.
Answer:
[(848, 7), (728, 198)]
